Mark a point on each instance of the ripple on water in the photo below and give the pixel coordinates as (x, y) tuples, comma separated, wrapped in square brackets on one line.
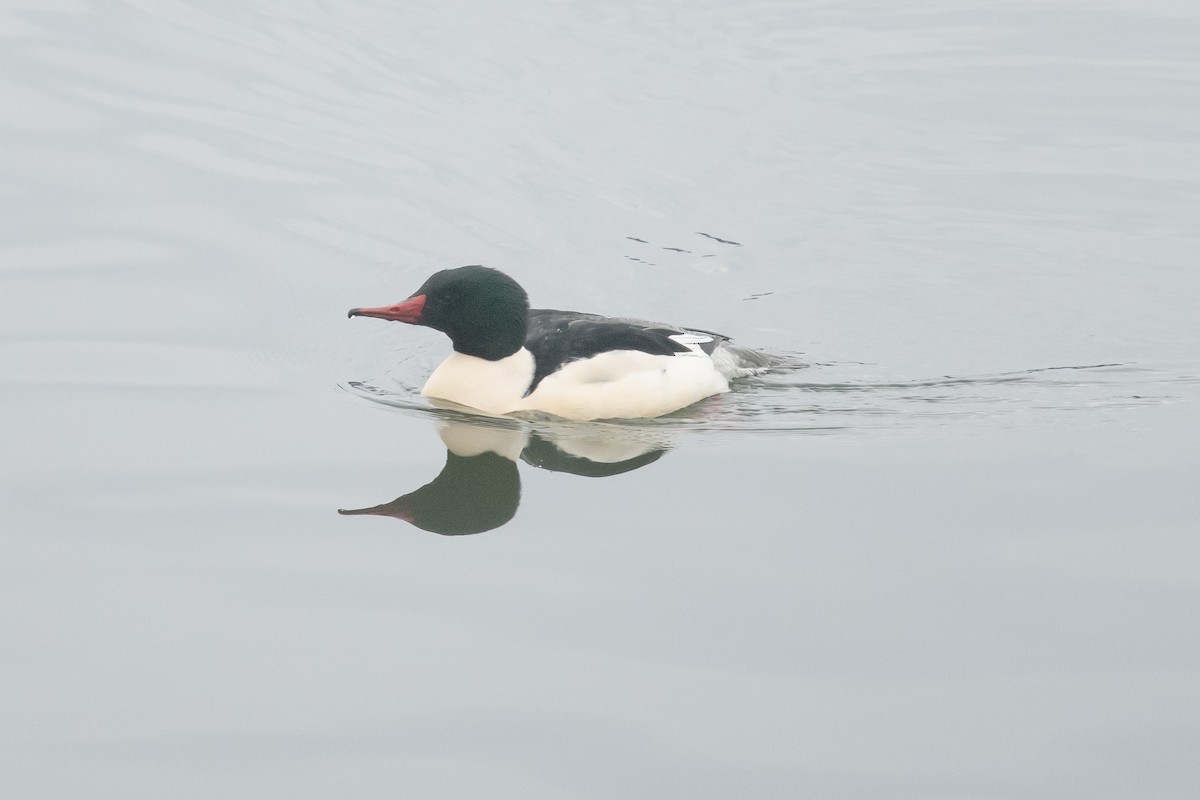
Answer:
[(844, 396)]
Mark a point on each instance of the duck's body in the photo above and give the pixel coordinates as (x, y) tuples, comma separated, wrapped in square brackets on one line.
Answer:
[(613, 384), (509, 358)]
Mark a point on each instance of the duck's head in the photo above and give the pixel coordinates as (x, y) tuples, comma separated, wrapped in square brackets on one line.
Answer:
[(482, 310)]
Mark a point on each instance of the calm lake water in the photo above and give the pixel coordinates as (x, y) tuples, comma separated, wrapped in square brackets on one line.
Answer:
[(955, 557)]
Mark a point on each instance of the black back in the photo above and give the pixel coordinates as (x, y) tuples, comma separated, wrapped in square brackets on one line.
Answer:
[(556, 338)]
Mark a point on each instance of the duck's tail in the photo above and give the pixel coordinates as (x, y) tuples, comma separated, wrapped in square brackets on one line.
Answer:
[(734, 361)]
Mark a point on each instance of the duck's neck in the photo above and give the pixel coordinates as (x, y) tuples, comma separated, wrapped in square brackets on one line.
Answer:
[(492, 333), (494, 386)]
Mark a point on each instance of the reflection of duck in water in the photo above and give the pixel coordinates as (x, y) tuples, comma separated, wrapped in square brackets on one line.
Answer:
[(479, 488), (471, 494), (510, 358)]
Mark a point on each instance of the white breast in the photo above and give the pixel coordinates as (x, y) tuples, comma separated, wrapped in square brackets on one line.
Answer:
[(494, 387)]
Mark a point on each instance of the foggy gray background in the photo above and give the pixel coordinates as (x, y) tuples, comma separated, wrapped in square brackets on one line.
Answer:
[(957, 557)]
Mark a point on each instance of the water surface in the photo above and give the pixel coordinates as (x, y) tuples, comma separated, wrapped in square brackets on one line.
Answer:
[(952, 557)]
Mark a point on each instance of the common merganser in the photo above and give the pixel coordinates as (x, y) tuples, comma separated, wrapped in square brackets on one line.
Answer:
[(510, 358)]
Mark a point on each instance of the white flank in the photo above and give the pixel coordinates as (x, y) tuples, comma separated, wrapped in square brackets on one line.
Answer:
[(624, 384)]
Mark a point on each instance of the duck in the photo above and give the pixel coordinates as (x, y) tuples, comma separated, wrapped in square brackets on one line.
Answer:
[(510, 359)]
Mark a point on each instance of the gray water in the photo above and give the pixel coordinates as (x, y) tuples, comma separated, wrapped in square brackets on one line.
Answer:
[(957, 556)]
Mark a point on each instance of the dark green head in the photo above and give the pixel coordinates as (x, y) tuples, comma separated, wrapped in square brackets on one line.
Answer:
[(482, 310)]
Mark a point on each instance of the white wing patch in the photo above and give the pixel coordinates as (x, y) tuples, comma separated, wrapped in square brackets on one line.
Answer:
[(692, 342)]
